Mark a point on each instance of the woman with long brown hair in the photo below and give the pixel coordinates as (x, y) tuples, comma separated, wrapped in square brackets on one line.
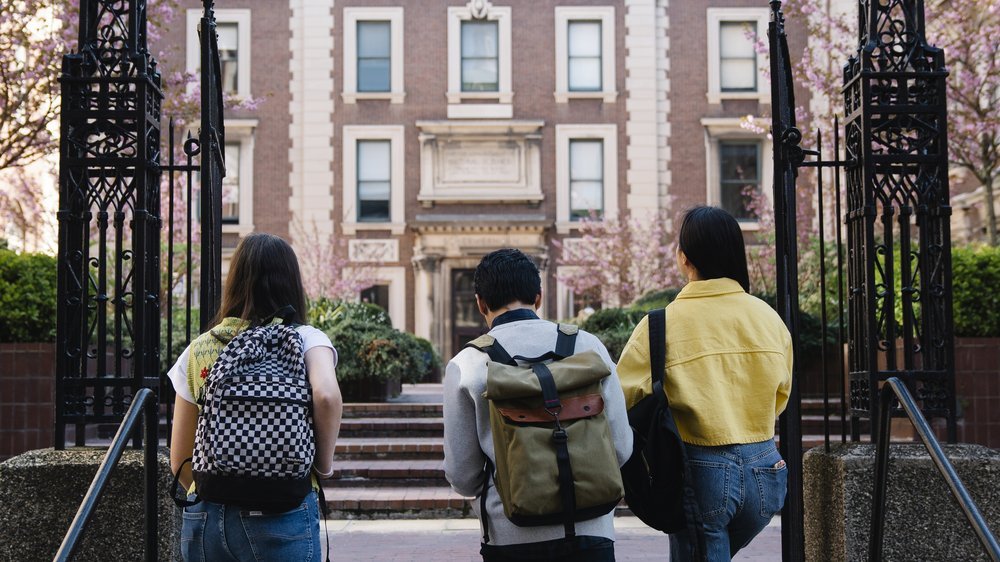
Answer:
[(263, 281)]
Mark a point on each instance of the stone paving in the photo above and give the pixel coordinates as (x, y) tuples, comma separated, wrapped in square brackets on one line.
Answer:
[(457, 540)]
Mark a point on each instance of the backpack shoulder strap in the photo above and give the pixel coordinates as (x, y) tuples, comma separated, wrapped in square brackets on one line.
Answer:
[(490, 346), (566, 340), (658, 349)]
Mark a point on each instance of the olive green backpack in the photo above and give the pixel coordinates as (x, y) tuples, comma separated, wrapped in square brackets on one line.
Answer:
[(555, 459)]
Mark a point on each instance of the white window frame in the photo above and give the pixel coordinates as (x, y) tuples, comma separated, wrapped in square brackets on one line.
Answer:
[(604, 14), (722, 129), (607, 132), (241, 17), (396, 137), (458, 14), (716, 16), (242, 131), (393, 15)]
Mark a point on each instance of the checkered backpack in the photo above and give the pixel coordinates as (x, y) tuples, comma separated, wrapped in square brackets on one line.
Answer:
[(254, 443)]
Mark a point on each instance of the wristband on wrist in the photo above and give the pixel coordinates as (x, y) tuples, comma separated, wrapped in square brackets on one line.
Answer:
[(322, 475)]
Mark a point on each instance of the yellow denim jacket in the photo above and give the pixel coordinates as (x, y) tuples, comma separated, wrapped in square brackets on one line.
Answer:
[(729, 364)]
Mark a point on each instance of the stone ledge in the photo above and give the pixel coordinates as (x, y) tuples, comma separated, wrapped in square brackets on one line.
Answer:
[(41, 491), (923, 521)]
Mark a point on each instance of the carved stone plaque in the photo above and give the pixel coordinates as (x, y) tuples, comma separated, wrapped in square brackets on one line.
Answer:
[(480, 162), (373, 250)]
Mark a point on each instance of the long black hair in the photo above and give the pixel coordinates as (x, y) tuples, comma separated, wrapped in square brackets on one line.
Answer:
[(263, 278), (713, 242)]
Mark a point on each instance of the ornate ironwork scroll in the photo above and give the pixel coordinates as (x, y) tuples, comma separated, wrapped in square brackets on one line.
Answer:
[(109, 219), (899, 239)]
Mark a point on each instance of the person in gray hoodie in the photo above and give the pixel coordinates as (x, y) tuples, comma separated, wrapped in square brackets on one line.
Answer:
[(508, 292)]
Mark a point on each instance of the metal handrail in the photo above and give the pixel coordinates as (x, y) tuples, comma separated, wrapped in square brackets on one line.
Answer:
[(144, 401), (895, 388)]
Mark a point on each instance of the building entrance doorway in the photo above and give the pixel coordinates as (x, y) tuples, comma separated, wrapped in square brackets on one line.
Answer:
[(466, 322)]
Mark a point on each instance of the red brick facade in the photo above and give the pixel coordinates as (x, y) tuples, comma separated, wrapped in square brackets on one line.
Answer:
[(27, 397), (977, 384)]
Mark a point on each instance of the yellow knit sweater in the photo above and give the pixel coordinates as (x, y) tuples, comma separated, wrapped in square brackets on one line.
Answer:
[(729, 364)]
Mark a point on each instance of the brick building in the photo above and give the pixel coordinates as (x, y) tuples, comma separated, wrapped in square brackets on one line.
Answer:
[(428, 132)]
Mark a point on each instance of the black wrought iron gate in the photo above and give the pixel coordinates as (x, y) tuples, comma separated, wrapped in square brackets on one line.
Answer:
[(895, 206), (114, 289)]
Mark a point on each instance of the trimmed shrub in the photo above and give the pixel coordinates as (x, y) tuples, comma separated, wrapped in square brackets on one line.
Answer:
[(976, 302), (613, 326), (370, 350), (27, 297), (324, 313)]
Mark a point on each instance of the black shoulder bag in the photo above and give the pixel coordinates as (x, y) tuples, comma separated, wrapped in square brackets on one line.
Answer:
[(658, 485)]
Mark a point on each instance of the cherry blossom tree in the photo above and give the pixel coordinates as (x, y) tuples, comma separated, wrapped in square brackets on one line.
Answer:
[(616, 260), (965, 29), (326, 273)]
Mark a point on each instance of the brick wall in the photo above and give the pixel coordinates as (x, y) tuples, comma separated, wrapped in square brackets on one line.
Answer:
[(977, 385), (27, 397)]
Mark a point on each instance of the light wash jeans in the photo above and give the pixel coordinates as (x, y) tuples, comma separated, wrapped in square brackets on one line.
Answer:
[(739, 489), (215, 532)]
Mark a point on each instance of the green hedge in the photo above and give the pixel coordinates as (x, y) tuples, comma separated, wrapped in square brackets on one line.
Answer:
[(27, 297), (369, 346), (975, 283)]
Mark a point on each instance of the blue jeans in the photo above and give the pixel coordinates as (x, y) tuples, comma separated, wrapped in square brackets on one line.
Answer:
[(578, 549), (739, 489), (212, 531)]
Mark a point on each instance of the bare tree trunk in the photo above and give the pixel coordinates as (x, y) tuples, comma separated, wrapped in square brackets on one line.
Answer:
[(991, 214)]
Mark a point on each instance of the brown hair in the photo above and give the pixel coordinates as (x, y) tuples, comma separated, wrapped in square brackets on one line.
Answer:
[(263, 278)]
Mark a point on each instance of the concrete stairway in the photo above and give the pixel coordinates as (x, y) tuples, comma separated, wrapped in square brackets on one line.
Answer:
[(390, 457), (390, 461)]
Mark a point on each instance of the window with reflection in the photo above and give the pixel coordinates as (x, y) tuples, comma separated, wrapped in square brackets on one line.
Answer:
[(228, 33), (480, 56), (739, 177), (737, 57), (584, 51), (378, 295), (374, 180), (374, 59), (231, 185), (586, 178)]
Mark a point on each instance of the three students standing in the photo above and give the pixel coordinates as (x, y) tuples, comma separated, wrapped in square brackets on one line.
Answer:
[(728, 375)]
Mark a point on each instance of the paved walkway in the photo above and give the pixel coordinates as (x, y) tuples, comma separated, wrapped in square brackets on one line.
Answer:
[(457, 540)]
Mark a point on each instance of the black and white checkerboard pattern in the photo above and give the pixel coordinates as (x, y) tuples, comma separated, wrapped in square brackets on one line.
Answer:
[(256, 420)]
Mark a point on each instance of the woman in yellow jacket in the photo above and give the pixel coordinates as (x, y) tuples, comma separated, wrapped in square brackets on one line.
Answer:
[(728, 376)]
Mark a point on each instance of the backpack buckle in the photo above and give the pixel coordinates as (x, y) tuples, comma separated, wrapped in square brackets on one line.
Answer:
[(559, 435)]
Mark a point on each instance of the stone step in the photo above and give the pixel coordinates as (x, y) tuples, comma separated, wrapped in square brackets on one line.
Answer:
[(405, 503), (388, 473), (392, 410), (439, 502), (370, 448), (392, 427)]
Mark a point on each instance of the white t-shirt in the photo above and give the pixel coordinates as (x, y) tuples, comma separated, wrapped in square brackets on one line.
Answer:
[(311, 337)]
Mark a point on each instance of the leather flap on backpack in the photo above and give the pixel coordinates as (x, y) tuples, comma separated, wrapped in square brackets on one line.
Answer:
[(573, 408), (504, 382)]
